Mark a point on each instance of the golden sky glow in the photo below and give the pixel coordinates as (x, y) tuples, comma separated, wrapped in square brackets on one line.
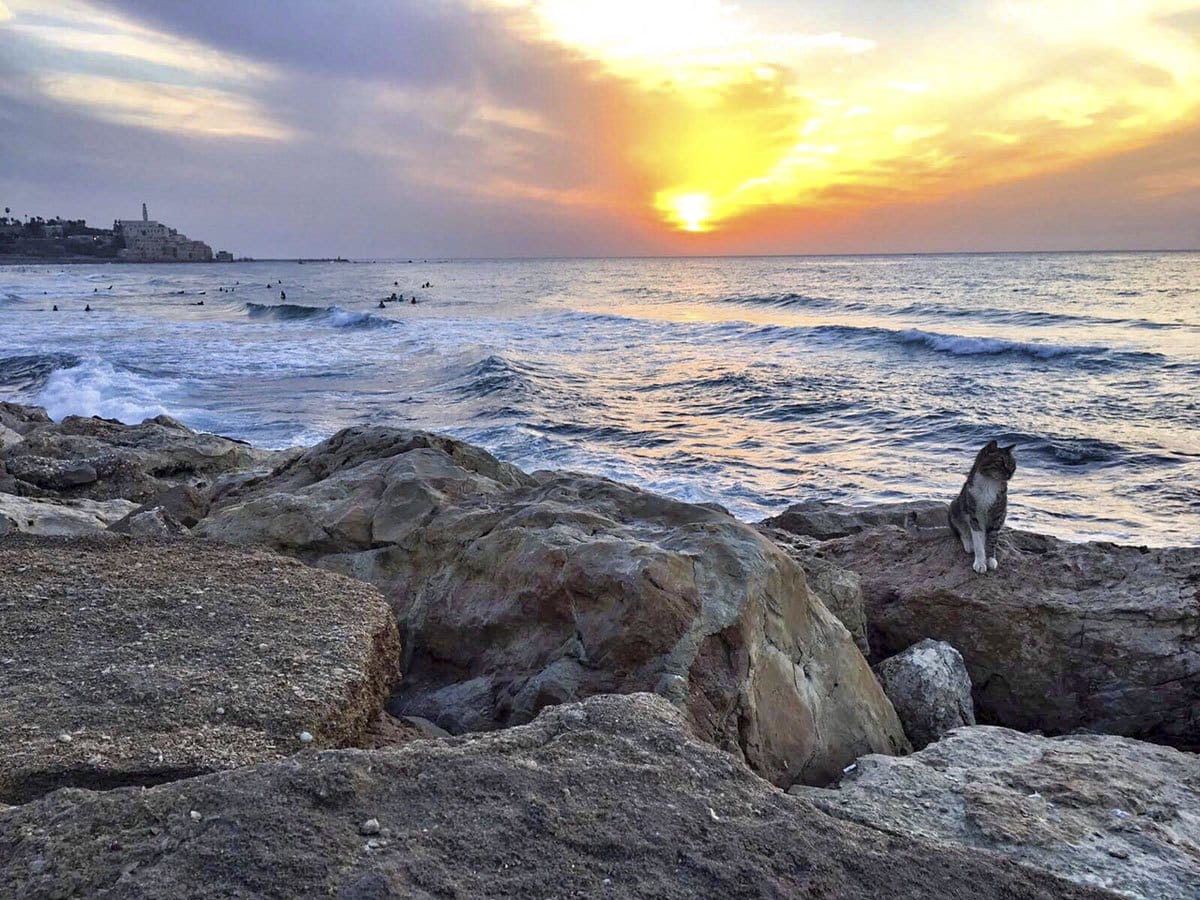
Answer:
[(673, 125), (747, 116)]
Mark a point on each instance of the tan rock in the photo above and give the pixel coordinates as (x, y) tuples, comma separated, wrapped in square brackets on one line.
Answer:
[(159, 661), (514, 592), (608, 798)]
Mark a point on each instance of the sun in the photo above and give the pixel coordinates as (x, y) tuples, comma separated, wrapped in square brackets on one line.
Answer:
[(692, 211)]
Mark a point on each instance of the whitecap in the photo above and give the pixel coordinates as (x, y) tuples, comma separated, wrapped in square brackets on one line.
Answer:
[(96, 387)]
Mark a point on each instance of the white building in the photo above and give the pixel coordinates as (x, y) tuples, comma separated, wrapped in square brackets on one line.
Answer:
[(149, 241)]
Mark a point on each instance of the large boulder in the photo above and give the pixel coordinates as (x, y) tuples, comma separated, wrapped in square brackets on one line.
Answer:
[(1062, 636), (124, 662), (608, 798), (59, 518), (835, 586), (514, 592), (930, 689), (1097, 809), (102, 459)]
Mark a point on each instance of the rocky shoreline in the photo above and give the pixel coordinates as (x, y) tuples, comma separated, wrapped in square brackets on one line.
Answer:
[(393, 665)]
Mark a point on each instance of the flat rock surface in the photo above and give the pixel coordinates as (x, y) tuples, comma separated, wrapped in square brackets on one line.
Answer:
[(117, 658), (608, 798), (1062, 636), (1097, 809), (59, 518), (825, 520)]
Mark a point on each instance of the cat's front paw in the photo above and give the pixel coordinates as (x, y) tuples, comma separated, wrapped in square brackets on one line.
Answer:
[(992, 564), (980, 566)]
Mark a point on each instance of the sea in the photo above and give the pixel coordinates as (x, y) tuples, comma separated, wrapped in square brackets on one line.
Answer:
[(754, 382)]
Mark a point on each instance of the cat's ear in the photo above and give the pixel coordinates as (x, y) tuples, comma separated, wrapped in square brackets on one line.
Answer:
[(991, 445), (1010, 448)]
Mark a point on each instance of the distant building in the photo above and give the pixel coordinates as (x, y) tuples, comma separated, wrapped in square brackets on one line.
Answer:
[(224, 256), (148, 241)]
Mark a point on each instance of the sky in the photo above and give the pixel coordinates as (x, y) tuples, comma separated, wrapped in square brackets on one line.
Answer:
[(474, 128)]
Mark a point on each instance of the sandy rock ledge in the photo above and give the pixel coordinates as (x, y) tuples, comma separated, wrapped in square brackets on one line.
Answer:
[(607, 798), (126, 662)]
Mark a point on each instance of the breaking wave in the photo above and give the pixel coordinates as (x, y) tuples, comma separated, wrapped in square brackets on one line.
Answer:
[(95, 387), (334, 316)]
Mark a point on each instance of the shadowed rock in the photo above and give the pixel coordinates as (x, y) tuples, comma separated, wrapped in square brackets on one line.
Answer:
[(514, 592), (125, 662), (1063, 636), (1097, 809), (608, 798)]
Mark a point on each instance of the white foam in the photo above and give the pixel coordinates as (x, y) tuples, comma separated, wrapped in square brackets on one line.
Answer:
[(960, 345), (345, 318), (97, 388)]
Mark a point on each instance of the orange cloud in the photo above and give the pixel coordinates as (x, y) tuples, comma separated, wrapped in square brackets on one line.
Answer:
[(721, 122)]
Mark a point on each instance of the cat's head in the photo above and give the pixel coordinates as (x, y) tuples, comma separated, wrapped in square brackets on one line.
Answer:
[(996, 462)]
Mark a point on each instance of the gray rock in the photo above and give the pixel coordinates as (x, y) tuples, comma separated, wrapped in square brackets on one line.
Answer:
[(180, 503), (8, 437), (150, 523), (1097, 809), (22, 419), (101, 459), (59, 518), (514, 592), (930, 689), (824, 521), (130, 647), (52, 474), (1062, 636), (611, 797)]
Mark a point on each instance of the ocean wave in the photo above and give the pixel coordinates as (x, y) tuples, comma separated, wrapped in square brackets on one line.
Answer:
[(95, 387), (30, 371), (494, 375), (963, 345), (784, 300), (334, 316)]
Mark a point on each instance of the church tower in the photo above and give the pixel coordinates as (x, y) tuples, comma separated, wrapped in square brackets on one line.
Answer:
[(145, 215)]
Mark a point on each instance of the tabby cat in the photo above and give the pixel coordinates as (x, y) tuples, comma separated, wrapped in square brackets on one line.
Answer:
[(978, 512)]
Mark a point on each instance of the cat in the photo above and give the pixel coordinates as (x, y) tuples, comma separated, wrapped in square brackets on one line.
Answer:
[(977, 513)]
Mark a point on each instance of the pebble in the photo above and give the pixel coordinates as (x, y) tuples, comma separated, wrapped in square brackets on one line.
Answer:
[(196, 817), (305, 737), (65, 738), (371, 826), (220, 710)]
